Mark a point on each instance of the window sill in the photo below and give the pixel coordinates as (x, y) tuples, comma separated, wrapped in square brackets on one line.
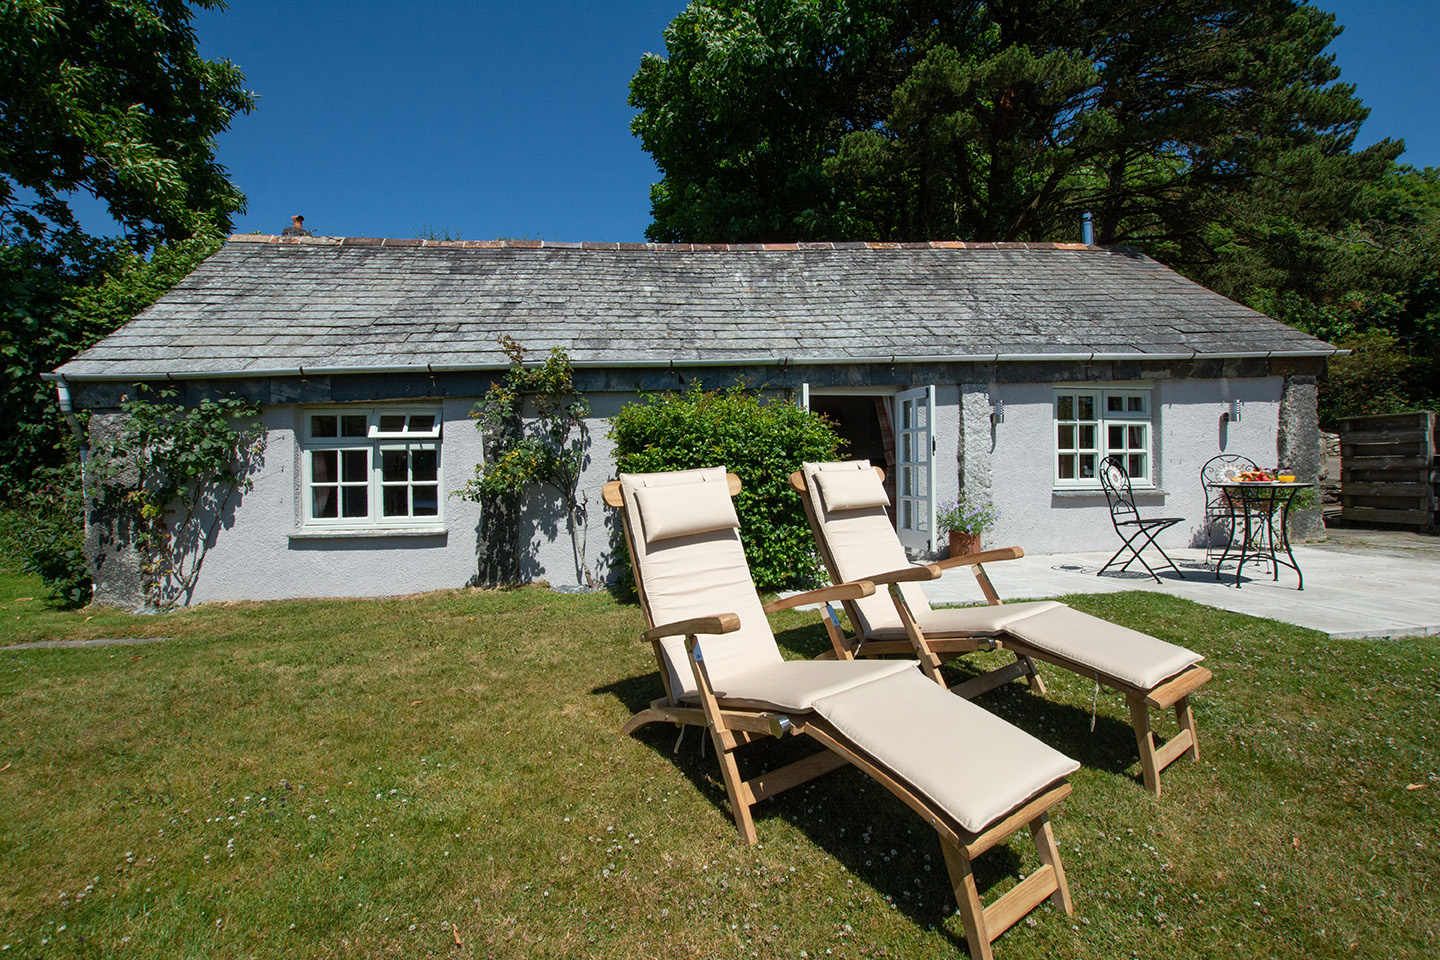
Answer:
[(367, 533), (1067, 492)]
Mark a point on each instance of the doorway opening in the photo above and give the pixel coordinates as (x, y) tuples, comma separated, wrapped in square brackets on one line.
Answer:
[(863, 421)]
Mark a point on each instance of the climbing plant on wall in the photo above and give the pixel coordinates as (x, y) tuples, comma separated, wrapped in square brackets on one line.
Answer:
[(533, 421), (168, 475)]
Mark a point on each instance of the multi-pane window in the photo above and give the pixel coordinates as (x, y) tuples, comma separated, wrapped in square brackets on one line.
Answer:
[(377, 467), (1091, 425)]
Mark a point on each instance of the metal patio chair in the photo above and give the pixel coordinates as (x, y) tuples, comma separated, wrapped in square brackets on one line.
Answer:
[(1136, 531), (1219, 512)]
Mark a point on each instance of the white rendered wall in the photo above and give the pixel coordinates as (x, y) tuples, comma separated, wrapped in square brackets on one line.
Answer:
[(1187, 431), (547, 551), (256, 558)]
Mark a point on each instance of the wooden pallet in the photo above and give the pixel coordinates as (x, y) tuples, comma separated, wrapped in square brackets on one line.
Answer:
[(1390, 473)]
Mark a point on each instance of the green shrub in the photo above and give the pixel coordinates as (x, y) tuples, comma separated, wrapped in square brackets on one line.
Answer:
[(1378, 376), (762, 440), (42, 529)]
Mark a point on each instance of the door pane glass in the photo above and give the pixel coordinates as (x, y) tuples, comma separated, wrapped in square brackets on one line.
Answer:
[(355, 502), (1065, 407), (397, 502), (907, 514), (907, 447), (907, 415), (322, 425), (322, 466), (907, 482), (1136, 465), (424, 464), (1087, 466), (1067, 437), (1117, 437), (325, 505), (354, 465), (394, 466), (1067, 468), (354, 425), (1137, 438), (1087, 408), (426, 498), (1087, 437)]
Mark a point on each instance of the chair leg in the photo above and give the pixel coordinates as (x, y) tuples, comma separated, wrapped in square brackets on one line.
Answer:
[(1037, 685), (983, 924), (1049, 854), (1185, 717), (967, 897), (738, 790), (1145, 741)]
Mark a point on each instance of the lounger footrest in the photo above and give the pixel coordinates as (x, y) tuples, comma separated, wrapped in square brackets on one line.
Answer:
[(1084, 643), (964, 760)]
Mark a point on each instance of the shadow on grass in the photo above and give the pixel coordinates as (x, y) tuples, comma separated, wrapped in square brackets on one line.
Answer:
[(871, 833), (807, 641)]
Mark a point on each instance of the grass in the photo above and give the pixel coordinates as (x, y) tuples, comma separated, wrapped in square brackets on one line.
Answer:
[(356, 778)]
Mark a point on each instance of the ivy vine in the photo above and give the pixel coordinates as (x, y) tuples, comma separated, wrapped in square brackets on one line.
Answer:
[(173, 470), (534, 420)]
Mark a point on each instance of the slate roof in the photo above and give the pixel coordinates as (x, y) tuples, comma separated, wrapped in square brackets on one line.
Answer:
[(263, 306)]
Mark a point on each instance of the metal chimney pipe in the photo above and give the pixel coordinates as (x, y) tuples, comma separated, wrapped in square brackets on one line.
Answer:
[(1087, 229)]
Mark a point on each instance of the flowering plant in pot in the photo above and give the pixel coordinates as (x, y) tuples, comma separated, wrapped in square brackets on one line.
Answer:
[(966, 519)]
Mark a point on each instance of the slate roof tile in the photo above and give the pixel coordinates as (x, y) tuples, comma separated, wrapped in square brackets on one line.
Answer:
[(370, 303)]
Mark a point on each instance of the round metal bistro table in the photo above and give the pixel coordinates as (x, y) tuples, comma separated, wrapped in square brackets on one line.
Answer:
[(1255, 507)]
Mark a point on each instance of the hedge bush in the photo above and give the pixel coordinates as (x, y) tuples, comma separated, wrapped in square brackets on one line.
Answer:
[(760, 439), (41, 528)]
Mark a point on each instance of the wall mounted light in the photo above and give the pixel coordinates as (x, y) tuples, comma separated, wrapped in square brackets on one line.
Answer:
[(997, 415), (1234, 411)]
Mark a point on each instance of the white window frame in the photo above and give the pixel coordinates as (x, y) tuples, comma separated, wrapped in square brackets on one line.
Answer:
[(1124, 430), (379, 438)]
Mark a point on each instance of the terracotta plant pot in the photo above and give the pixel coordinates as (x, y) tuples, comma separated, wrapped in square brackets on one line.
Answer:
[(963, 543)]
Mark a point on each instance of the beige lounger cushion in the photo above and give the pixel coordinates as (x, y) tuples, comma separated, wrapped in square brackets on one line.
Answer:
[(863, 543), (795, 685), (937, 623), (851, 489), (963, 758), (700, 575), (674, 511), (1129, 655)]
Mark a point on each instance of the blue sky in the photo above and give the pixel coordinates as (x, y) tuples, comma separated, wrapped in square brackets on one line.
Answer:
[(498, 119)]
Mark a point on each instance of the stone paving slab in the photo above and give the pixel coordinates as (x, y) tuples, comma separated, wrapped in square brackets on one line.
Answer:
[(1346, 595)]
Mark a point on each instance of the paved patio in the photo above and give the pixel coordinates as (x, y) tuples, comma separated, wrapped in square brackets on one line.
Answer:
[(1357, 583)]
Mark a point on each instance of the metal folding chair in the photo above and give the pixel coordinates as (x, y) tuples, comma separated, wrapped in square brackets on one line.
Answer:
[(1136, 531), (1219, 527)]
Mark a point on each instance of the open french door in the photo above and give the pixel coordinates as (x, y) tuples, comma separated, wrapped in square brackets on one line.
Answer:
[(915, 468)]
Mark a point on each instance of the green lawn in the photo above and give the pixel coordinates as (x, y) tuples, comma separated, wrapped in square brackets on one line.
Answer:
[(364, 778)]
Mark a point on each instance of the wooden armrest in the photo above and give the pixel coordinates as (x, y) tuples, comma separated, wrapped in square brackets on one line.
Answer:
[(985, 556), (724, 623), (842, 591), (923, 571)]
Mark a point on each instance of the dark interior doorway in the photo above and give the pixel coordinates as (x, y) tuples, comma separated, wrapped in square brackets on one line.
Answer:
[(864, 422)]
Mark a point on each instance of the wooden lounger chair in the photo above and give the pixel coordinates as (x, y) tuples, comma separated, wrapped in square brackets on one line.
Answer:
[(846, 505), (973, 777)]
